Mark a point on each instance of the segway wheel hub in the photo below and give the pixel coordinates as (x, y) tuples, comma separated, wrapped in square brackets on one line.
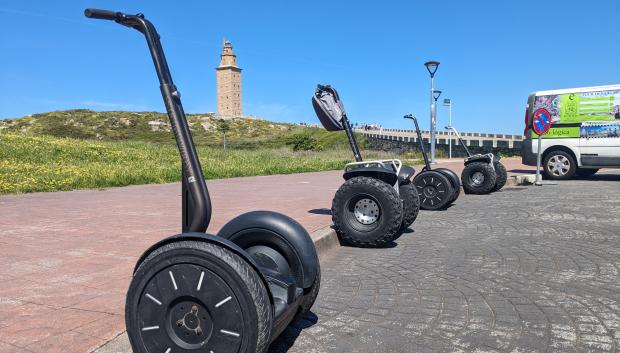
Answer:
[(366, 211), (430, 191), (477, 178), (189, 307)]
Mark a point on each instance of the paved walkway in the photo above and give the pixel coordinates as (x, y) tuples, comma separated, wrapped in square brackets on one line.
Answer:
[(66, 258), (533, 269)]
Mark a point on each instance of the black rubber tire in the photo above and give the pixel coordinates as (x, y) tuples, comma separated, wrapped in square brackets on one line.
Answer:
[(309, 297), (411, 204), (352, 232), (488, 183), (586, 172), (250, 303), (502, 176), (434, 188), (455, 182), (549, 174), (254, 231)]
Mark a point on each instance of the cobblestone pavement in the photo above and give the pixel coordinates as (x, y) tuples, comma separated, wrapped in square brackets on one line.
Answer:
[(523, 270)]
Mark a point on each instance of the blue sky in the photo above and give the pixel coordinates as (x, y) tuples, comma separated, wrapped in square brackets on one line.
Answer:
[(492, 53)]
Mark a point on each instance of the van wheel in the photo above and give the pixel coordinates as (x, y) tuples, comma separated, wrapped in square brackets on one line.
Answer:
[(586, 172), (559, 165), (502, 176)]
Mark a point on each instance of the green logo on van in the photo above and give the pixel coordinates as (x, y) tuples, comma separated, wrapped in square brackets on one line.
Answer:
[(560, 132), (591, 106)]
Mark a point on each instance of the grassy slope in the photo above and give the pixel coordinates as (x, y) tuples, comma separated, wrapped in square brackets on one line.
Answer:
[(84, 149), (154, 127), (120, 125), (43, 163)]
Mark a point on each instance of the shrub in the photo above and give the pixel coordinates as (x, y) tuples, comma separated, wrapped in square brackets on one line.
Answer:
[(304, 142)]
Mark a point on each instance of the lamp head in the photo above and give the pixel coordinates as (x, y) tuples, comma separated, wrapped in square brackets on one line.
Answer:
[(436, 94), (432, 66)]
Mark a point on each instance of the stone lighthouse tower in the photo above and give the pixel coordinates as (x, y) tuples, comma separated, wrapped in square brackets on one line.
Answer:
[(228, 83)]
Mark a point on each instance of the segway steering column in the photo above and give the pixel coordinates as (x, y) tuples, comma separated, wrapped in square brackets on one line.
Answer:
[(196, 201)]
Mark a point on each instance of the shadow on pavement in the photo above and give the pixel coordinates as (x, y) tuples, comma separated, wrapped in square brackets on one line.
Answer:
[(522, 171), (323, 211), (286, 340), (602, 177), (512, 189)]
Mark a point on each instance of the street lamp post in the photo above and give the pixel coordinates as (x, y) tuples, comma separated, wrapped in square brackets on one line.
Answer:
[(436, 94), (448, 103), (432, 66)]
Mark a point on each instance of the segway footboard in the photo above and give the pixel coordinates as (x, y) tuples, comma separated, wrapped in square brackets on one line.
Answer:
[(484, 158)]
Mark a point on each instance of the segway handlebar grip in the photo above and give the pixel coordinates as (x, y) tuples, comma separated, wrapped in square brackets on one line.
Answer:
[(102, 14), (410, 116)]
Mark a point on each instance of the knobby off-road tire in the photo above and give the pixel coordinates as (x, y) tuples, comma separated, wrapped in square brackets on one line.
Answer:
[(380, 198), (223, 292), (455, 182), (478, 178), (434, 188), (411, 204), (501, 176)]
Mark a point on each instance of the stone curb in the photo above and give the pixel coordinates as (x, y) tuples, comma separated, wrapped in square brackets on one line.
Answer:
[(527, 179), (325, 240)]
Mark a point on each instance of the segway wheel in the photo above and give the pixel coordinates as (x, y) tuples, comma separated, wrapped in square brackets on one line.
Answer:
[(411, 204), (478, 178), (455, 181), (367, 212), (191, 295), (309, 297), (434, 188), (502, 176)]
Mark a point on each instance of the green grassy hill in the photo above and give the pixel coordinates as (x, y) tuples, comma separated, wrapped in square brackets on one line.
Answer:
[(154, 127), (77, 149)]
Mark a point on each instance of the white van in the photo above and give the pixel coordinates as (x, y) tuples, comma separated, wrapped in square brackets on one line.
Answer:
[(584, 136)]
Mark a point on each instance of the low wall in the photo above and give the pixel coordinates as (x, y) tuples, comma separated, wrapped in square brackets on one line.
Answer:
[(404, 144)]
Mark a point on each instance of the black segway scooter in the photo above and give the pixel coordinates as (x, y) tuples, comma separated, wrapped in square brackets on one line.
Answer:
[(439, 187), (377, 202), (234, 292), (483, 173)]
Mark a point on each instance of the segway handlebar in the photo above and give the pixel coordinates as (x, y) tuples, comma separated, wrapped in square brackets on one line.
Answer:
[(450, 127), (417, 130), (136, 21), (101, 14), (193, 183)]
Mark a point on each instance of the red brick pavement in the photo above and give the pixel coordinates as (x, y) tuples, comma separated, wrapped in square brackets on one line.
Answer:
[(66, 258)]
